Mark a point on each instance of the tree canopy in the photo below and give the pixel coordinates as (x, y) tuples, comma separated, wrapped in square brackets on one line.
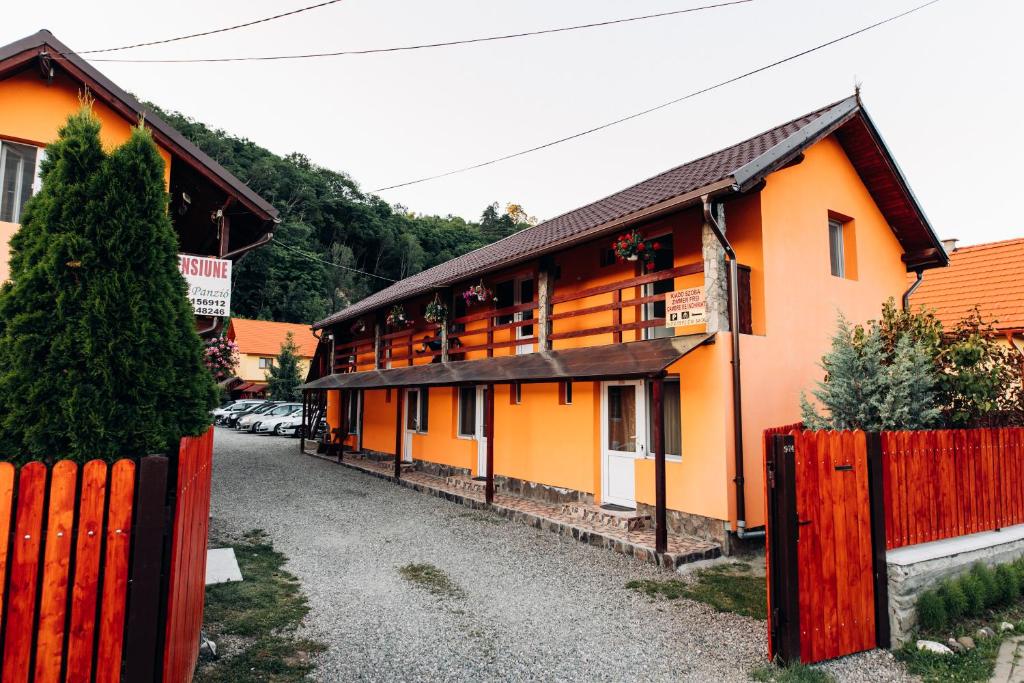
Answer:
[(284, 377), (327, 225), (99, 356)]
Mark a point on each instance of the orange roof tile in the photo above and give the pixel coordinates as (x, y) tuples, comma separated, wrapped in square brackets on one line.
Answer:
[(264, 337), (990, 276)]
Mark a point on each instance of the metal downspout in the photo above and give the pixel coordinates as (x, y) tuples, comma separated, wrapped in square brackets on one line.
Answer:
[(737, 396), (913, 288)]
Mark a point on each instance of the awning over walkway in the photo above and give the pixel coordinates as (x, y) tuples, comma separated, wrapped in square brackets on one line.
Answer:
[(621, 361)]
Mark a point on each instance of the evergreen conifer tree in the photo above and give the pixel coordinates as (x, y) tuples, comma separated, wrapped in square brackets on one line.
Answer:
[(284, 377), (98, 351)]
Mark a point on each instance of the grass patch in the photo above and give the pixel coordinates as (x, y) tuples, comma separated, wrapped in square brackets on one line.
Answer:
[(430, 578), (975, 665), (794, 673), (726, 587), (962, 667), (253, 622)]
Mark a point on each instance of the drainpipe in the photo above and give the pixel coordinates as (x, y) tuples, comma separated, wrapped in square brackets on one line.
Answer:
[(910, 290), (737, 402)]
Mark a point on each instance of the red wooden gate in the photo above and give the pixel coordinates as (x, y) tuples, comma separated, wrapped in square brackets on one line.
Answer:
[(826, 586)]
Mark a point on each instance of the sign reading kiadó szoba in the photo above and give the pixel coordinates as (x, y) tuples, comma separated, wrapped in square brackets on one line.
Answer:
[(209, 284), (685, 307)]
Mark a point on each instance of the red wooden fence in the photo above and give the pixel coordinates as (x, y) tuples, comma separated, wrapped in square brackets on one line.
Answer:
[(188, 558), (73, 594), (941, 484)]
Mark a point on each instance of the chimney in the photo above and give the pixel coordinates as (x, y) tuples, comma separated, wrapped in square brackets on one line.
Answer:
[(949, 244)]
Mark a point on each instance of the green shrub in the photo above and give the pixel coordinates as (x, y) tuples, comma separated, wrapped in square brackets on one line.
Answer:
[(974, 590), (931, 612), (1008, 584), (956, 602), (988, 581)]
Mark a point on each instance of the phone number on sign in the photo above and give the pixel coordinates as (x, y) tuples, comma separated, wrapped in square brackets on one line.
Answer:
[(209, 306)]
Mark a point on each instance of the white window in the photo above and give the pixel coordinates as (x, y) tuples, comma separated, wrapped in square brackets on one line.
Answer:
[(266, 363), (672, 410), (836, 248), (417, 410), (19, 178), (467, 412), (355, 412)]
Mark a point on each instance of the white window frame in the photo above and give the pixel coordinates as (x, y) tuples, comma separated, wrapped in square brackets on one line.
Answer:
[(355, 425), (647, 311), (421, 394), (37, 181), (269, 363), (837, 247), (669, 457), (458, 415)]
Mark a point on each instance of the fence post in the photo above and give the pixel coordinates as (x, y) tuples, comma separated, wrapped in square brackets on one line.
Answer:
[(876, 493), (783, 582)]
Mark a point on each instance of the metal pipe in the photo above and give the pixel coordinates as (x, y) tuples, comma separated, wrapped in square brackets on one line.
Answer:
[(911, 289), (660, 516), (737, 396)]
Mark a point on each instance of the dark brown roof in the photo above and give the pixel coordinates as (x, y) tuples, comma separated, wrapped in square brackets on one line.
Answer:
[(740, 167), (632, 359), (22, 52)]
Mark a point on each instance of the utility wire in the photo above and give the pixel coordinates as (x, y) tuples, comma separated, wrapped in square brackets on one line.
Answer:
[(329, 263), (449, 43), (655, 108), (214, 31)]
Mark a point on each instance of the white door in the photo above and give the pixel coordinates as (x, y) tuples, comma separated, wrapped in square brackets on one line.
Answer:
[(481, 432), (412, 416), (623, 439)]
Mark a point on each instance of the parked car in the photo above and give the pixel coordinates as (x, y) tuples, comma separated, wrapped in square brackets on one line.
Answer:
[(271, 421), (231, 419), (247, 423), (234, 408)]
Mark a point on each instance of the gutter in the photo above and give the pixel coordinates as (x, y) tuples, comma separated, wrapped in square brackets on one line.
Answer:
[(737, 396), (913, 288)]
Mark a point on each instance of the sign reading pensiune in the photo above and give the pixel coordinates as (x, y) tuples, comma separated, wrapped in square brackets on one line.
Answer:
[(685, 307), (209, 284)]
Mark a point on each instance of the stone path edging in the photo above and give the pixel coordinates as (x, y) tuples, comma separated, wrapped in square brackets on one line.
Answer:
[(1010, 662)]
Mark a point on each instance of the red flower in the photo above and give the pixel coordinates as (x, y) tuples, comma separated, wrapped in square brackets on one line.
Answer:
[(650, 265), (656, 246), (641, 246)]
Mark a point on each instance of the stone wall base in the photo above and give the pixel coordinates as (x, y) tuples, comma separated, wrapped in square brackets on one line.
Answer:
[(918, 568), (681, 523)]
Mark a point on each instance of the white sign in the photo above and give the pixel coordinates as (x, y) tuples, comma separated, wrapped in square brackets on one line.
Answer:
[(685, 307), (209, 284)]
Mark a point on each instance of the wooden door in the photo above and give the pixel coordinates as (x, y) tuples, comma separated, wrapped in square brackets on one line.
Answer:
[(823, 535)]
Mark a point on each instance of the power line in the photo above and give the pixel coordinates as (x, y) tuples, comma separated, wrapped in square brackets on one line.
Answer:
[(655, 108), (329, 263), (214, 31), (449, 43)]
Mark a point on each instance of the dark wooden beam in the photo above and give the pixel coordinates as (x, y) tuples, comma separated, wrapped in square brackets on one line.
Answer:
[(660, 515), (399, 409), (305, 412), (343, 396), (489, 433)]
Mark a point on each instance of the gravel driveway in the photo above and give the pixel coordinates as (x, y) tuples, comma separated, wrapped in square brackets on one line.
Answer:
[(529, 604)]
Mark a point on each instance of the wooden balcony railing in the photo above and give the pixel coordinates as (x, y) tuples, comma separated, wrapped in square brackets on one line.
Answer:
[(466, 334)]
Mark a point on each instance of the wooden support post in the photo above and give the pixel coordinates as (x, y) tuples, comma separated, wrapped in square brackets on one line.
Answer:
[(342, 422), (545, 287), (443, 333), (302, 430), (399, 408), (224, 233), (489, 431), (876, 496), (376, 346), (660, 516), (617, 317)]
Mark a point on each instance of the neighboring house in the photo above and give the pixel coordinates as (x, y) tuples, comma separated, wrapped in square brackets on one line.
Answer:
[(989, 276), (577, 358), (259, 343), (214, 213)]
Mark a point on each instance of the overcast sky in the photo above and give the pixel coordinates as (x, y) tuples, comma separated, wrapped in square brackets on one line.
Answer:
[(943, 85)]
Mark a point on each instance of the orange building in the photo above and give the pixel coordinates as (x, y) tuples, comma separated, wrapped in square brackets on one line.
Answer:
[(583, 384), (984, 275), (259, 343), (41, 79)]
